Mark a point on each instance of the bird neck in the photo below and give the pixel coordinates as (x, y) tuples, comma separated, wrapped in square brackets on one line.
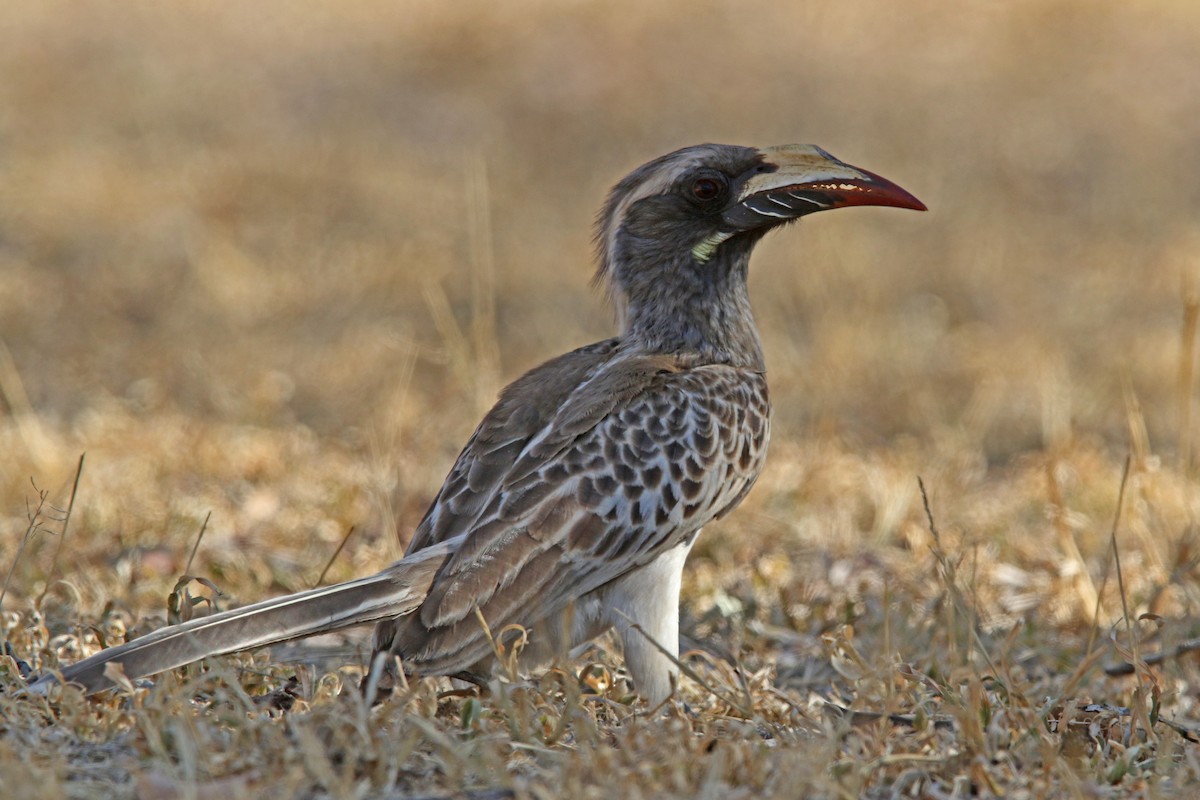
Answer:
[(703, 309)]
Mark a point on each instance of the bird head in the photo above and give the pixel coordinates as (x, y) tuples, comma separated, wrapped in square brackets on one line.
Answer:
[(695, 214)]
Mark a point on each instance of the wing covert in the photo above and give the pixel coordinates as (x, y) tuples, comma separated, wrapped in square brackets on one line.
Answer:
[(637, 459)]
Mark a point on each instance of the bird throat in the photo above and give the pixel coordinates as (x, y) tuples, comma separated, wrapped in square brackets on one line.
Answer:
[(695, 307)]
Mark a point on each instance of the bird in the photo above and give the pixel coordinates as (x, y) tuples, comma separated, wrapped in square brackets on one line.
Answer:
[(573, 506)]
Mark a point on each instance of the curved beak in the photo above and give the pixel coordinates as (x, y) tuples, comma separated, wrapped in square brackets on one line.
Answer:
[(798, 179)]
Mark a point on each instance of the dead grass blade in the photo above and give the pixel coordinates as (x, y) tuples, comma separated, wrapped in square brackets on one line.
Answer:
[(948, 571), (187, 570), (337, 552), (12, 391), (1112, 539), (1185, 377), (62, 536), (35, 516)]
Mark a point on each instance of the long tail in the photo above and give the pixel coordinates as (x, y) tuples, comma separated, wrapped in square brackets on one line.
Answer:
[(396, 591)]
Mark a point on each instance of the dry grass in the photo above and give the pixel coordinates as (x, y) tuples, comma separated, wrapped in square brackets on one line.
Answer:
[(270, 261)]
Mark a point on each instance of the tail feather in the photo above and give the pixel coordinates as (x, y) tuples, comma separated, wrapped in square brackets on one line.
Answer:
[(396, 591)]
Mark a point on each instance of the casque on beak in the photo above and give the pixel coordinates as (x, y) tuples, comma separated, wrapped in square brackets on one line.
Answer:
[(793, 180), (798, 179)]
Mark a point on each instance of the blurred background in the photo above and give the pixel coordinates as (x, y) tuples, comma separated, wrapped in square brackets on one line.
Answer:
[(274, 259)]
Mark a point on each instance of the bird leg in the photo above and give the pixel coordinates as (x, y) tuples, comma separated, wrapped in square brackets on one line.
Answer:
[(644, 608)]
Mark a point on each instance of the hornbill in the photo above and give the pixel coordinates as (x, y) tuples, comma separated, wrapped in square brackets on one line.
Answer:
[(574, 504)]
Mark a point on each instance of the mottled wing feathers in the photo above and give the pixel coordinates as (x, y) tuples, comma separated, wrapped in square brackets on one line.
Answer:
[(636, 458), (529, 495), (621, 383), (524, 409)]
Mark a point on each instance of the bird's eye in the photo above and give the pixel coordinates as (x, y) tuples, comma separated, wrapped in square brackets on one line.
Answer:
[(706, 189)]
